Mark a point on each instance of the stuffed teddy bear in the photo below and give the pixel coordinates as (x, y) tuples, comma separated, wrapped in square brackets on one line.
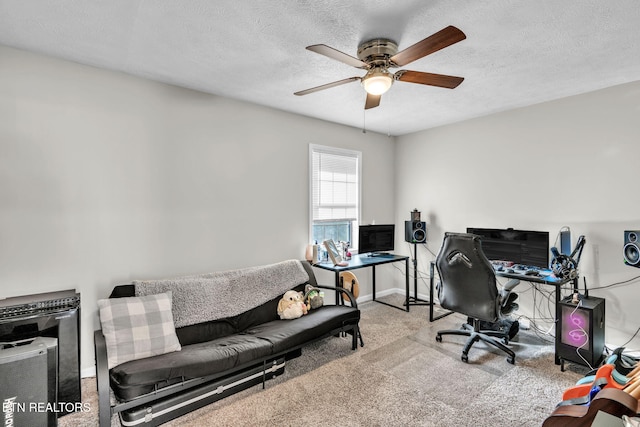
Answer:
[(291, 305), (313, 297)]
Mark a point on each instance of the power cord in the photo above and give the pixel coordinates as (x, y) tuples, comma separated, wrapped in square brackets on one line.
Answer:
[(632, 337), (624, 282), (578, 333)]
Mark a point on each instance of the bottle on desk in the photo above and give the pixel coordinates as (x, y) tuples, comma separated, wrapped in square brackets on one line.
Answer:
[(324, 255), (314, 253)]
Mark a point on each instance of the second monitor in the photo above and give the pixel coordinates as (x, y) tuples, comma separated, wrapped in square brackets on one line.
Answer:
[(529, 248), (375, 239)]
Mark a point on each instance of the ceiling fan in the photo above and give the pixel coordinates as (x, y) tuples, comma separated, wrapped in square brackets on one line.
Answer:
[(378, 55)]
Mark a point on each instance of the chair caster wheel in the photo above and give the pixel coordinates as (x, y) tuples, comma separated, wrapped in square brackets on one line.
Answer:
[(511, 360), (439, 338), (465, 358)]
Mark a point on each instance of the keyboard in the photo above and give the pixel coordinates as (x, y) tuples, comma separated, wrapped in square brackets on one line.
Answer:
[(501, 265), (520, 269)]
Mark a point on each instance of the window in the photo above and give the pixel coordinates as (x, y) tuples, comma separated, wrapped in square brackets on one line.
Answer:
[(335, 194)]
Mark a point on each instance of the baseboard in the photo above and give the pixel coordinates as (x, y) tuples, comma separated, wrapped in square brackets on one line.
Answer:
[(387, 292)]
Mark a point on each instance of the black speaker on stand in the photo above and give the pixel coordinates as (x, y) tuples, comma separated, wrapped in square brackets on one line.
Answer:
[(631, 249), (415, 231), (581, 329)]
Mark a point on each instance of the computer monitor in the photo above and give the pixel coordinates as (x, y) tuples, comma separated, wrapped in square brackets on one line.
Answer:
[(529, 248), (376, 238)]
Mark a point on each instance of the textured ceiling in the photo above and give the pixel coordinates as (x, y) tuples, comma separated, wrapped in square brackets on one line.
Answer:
[(517, 53)]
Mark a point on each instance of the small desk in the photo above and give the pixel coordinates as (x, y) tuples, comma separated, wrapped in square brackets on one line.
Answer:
[(545, 280), (362, 261)]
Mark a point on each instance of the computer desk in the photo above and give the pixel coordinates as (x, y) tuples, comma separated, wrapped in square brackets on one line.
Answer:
[(542, 279), (362, 261)]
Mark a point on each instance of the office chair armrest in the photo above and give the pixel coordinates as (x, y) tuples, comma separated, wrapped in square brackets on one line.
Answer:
[(512, 283), (507, 298)]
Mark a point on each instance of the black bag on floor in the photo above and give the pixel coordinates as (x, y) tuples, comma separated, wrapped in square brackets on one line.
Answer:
[(503, 325)]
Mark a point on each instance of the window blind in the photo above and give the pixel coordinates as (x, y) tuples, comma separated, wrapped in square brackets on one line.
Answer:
[(335, 184)]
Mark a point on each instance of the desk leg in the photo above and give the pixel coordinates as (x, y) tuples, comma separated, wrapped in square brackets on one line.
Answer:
[(406, 280), (406, 301), (556, 323), (338, 285), (373, 270)]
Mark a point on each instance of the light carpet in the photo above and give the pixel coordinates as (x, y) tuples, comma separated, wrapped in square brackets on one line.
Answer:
[(401, 377)]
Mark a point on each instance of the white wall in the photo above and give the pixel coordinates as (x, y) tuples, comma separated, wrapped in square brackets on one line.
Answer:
[(572, 162), (105, 178)]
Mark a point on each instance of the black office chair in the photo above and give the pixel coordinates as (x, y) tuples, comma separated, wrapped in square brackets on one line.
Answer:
[(468, 286)]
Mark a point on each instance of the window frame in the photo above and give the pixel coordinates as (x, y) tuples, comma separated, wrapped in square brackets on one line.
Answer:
[(313, 148)]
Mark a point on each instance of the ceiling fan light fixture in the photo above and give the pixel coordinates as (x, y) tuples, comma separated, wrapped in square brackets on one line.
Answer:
[(377, 81), (378, 55)]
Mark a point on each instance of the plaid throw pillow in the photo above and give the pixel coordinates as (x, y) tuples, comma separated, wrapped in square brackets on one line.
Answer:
[(137, 327)]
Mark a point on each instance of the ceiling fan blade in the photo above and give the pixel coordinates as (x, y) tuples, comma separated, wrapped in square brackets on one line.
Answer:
[(440, 80), (332, 53), (326, 86), (433, 43), (372, 101)]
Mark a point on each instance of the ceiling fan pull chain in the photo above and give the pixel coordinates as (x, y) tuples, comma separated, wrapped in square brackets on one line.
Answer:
[(389, 98), (364, 121)]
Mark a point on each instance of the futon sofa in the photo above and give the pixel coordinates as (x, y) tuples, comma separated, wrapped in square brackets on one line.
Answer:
[(228, 336)]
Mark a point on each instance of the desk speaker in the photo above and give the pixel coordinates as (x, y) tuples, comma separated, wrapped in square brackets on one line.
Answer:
[(581, 329), (631, 249), (415, 231)]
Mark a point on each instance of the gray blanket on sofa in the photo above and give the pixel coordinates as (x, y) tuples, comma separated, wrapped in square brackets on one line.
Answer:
[(213, 296)]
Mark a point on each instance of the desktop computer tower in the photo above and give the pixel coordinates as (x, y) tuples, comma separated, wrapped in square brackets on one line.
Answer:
[(28, 379), (581, 331)]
